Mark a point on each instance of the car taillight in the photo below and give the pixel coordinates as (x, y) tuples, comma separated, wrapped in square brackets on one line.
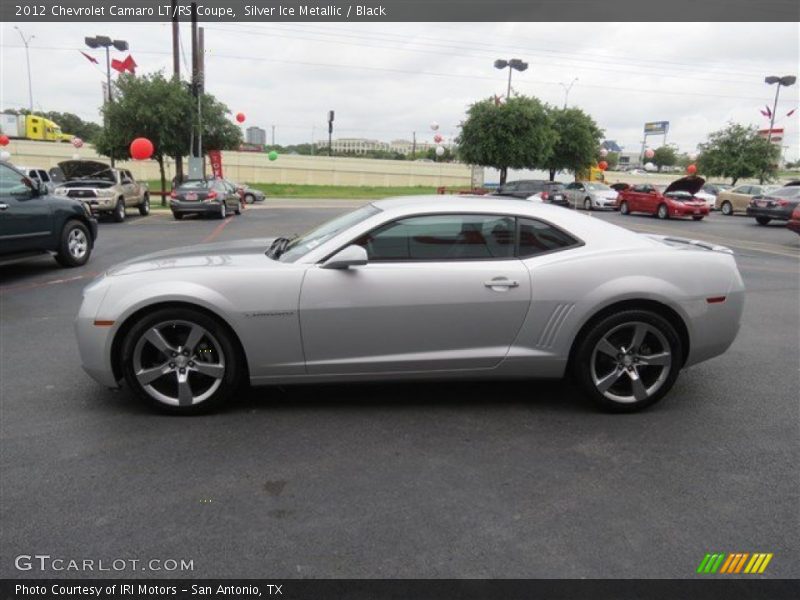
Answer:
[(782, 202), (173, 194), (545, 195), (212, 194)]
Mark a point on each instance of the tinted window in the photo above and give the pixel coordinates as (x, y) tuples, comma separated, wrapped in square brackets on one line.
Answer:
[(43, 175), (11, 182), (197, 184), (742, 189), (536, 237), (641, 188), (442, 237)]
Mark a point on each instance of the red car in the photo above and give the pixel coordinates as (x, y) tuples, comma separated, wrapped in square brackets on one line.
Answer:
[(794, 221), (665, 201)]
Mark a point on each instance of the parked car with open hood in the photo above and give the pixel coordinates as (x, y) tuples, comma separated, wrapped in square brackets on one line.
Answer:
[(591, 195), (664, 201), (107, 191), (736, 200), (775, 205), (33, 223)]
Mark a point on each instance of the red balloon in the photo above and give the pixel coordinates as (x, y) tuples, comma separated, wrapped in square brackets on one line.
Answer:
[(4, 140), (141, 149), (602, 165), (240, 117), (691, 169), (437, 138), (77, 142)]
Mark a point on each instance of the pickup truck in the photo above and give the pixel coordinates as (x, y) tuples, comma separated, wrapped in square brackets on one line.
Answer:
[(33, 223), (107, 191)]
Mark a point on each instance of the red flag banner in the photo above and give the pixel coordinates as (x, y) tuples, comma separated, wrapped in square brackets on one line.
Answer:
[(89, 57), (215, 157), (130, 64), (118, 65)]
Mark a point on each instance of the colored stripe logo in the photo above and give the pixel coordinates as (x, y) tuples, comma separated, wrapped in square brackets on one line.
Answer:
[(735, 562)]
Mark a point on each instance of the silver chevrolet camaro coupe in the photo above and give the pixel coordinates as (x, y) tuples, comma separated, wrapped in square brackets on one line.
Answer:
[(414, 288)]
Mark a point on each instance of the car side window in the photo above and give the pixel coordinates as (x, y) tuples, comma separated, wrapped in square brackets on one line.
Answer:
[(43, 175), (742, 189), (536, 237), (640, 188), (11, 182), (442, 237)]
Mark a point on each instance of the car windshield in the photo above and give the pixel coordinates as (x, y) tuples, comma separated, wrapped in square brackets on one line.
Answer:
[(660, 188), (597, 187), (198, 184), (785, 192), (305, 243)]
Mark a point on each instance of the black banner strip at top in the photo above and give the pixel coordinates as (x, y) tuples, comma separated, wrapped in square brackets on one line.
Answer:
[(712, 587), (378, 11)]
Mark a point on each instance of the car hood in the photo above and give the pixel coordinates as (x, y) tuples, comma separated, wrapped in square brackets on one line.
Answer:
[(238, 253), (686, 184), (75, 169)]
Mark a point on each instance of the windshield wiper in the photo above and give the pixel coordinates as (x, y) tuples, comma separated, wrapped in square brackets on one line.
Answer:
[(278, 246)]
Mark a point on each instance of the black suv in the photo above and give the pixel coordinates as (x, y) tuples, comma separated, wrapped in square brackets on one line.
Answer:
[(33, 223)]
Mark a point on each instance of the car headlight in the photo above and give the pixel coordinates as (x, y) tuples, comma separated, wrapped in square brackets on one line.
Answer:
[(105, 193), (61, 191)]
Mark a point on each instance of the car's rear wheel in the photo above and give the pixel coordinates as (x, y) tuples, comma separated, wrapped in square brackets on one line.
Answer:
[(697, 217), (587, 204), (181, 360), (238, 209), (144, 207), (629, 360), (727, 208), (624, 209), (119, 211), (662, 212), (177, 216), (76, 245), (763, 220), (249, 198)]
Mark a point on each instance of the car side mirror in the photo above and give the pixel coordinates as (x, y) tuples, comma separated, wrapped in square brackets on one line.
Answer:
[(351, 256)]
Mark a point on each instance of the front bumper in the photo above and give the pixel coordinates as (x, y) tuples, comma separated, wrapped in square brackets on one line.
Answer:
[(774, 212), (611, 203), (100, 205), (688, 210), (195, 207)]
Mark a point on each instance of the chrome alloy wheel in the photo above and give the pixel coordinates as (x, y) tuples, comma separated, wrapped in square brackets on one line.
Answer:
[(178, 363), (77, 243), (631, 362)]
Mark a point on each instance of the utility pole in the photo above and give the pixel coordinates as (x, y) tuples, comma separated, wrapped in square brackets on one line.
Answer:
[(25, 42), (330, 132), (195, 160), (201, 85), (413, 145), (176, 73)]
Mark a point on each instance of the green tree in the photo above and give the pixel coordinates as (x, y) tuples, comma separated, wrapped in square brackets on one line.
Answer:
[(665, 156), (163, 111), (736, 152), (612, 158), (518, 134), (577, 143)]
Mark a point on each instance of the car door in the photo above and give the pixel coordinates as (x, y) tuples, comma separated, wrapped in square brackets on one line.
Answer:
[(128, 189), (439, 292), (571, 192), (26, 220), (740, 197)]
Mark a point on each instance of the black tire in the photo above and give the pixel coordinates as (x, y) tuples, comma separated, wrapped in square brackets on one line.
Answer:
[(726, 208), (763, 220), (73, 233), (662, 212), (118, 215), (697, 217), (144, 207), (623, 208), (225, 352), (582, 368), (249, 199), (587, 204), (177, 216), (238, 210)]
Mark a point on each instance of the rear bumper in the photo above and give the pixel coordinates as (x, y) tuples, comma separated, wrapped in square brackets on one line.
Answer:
[(781, 214), (178, 206)]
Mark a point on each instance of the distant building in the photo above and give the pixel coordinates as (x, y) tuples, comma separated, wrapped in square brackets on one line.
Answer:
[(255, 135), (364, 145), (611, 146)]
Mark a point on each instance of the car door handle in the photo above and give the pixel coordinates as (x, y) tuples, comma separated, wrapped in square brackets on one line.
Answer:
[(501, 283), (3, 206)]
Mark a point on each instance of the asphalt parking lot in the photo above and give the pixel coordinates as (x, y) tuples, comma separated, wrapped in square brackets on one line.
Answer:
[(482, 480)]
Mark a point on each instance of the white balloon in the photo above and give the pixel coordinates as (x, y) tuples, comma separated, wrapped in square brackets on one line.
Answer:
[(693, 156), (76, 156), (603, 152), (434, 126), (5, 155), (649, 167), (439, 150)]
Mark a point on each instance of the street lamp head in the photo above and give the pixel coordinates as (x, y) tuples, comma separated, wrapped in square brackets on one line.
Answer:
[(517, 64), (500, 63), (103, 40), (788, 80), (120, 45)]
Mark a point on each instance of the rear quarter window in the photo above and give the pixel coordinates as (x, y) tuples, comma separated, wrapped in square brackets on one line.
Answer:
[(538, 237)]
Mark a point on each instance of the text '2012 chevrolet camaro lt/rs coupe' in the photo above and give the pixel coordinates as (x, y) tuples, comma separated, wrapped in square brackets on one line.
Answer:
[(411, 289)]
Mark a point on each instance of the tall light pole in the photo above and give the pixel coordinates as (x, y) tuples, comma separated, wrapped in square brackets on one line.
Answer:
[(512, 65), (102, 41), (786, 80), (567, 88), (25, 42)]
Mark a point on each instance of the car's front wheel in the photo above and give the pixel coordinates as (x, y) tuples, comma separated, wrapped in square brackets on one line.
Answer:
[(144, 207), (624, 209), (587, 204), (181, 360), (76, 245), (119, 211), (629, 360), (662, 212)]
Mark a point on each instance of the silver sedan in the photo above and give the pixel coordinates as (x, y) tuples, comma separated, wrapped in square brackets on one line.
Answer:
[(415, 288)]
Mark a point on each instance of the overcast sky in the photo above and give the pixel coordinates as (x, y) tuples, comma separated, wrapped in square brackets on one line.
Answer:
[(387, 80)]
